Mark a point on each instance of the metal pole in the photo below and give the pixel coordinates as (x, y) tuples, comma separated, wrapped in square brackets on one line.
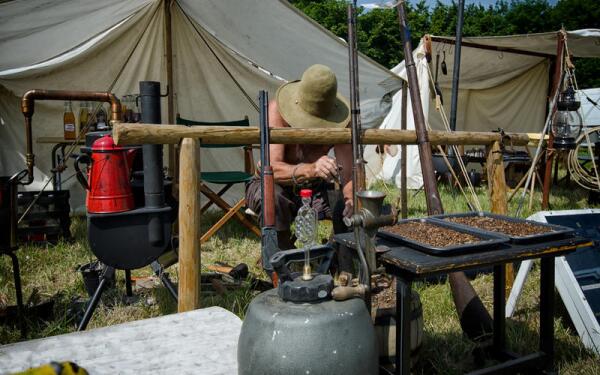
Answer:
[(456, 68), (358, 167)]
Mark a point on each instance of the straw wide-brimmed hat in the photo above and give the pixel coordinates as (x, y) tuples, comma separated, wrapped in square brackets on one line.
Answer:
[(313, 101)]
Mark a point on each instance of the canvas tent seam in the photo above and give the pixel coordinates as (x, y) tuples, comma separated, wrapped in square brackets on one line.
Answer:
[(235, 81)]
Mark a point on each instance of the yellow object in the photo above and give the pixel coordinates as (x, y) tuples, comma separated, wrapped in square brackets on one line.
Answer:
[(83, 117), (56, 368)]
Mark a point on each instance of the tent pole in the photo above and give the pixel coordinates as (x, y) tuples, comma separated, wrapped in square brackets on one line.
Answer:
[(434, 203), (403, 154), (173, 150), (456, 69), (474, 318), (558, 66)]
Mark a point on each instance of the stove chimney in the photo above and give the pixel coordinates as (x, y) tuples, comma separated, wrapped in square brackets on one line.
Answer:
[(154, 196)]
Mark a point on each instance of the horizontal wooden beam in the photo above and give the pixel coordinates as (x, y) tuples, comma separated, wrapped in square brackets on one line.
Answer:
[(493, 48), (130, 134)]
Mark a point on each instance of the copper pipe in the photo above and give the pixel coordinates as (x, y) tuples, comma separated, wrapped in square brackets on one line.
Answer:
[(28, 106)]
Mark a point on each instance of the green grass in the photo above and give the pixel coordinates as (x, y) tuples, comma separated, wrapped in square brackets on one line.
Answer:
[(51, 272)]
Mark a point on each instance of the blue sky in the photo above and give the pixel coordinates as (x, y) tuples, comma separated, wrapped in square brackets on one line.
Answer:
[(375, 3)]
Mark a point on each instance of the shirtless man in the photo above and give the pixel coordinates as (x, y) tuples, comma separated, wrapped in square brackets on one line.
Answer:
[(312, 102)]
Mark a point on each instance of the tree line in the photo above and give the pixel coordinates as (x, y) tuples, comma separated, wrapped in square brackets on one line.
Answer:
[(379, 33)]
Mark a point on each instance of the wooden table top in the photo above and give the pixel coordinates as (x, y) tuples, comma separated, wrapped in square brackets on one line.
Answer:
[(416, 264)]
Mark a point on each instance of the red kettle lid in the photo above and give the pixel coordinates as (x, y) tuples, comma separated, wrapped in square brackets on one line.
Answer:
[(105, 143)]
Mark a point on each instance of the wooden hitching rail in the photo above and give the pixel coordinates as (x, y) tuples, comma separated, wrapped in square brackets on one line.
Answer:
[(189, 208)]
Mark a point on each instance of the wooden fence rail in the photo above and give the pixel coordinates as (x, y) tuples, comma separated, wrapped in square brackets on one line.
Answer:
[(127, 134), (189, 207)]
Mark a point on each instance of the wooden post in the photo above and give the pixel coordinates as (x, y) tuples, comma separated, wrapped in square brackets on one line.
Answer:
[(558, 67), (189, 225), (497, 191), (173, 148), (496, 179)]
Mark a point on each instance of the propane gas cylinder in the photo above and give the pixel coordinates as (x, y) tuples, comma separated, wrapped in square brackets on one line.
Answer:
[(298, 329)]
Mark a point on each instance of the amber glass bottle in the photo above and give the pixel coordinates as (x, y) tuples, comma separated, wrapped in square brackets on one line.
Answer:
[(69, 121), (83, 117)]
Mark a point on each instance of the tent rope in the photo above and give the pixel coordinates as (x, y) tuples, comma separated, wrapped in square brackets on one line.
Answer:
[(235, 81), (73, 145), (580, 175)]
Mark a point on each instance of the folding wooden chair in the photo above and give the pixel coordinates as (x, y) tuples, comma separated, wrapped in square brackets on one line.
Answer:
[(227, 179)]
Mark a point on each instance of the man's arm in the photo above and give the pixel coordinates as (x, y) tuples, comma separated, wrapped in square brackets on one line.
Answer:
[(285, 173), (343, 154)]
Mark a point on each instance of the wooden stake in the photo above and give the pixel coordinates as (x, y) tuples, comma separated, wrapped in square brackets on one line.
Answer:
[(189, 225), (496, 180), (498, 201)]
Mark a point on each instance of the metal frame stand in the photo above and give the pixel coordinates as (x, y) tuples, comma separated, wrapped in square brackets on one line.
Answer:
[(107, 275), (164, 278), (18, 290), (511, 362)]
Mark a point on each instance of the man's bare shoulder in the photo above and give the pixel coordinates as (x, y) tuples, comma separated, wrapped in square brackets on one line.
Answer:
[(275, 118)]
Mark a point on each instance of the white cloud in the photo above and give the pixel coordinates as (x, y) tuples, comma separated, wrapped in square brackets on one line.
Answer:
[(371, 6)]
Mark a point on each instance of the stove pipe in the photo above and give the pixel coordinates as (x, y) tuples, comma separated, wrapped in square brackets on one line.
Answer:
[(154, 196)]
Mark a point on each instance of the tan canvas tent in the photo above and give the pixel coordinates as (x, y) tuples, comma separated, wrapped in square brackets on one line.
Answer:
[(224, 51), (504, 84)]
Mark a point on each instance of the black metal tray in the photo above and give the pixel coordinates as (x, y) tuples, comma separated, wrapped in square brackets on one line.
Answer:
[(558, 231), (488, 240)]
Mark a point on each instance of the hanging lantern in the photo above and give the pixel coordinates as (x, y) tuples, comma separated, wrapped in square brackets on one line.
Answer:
[(567, 123)]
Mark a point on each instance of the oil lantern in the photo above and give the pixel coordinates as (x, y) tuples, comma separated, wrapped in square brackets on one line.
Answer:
[(567, 123)]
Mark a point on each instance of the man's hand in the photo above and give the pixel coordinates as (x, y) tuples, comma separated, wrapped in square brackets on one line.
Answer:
[(326, 168), (348, 208)]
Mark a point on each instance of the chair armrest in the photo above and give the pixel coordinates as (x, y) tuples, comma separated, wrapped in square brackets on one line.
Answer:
[(249, 166)]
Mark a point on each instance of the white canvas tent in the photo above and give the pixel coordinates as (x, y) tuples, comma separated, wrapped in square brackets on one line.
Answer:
[(498, 89), (590, 112), (224, 52)]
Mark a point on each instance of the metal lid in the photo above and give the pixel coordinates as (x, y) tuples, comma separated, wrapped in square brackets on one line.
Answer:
[(306, 193), (314, 290), (106, 143)]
